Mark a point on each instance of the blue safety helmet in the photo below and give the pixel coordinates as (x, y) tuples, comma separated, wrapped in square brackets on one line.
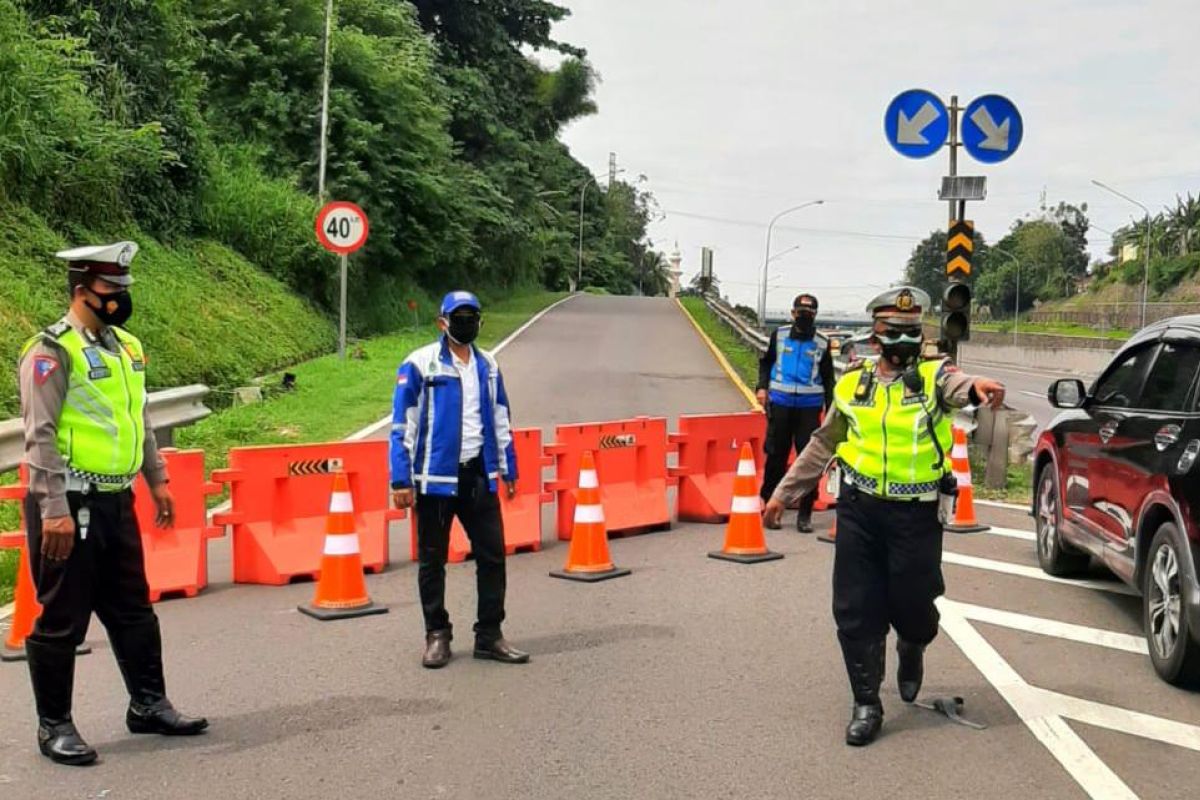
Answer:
[(456, 300)]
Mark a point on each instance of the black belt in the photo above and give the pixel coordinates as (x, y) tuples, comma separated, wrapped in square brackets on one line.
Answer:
[(472, 465)]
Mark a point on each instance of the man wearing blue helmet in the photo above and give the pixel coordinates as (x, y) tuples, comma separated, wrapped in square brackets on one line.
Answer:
[(451, 447)]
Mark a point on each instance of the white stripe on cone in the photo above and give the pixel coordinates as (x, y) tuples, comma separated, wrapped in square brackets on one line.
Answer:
[(589, 514), (341, 503), (964, 478), (341, 544), (747, 505), (958, 451), (588, 480), (746, 469)]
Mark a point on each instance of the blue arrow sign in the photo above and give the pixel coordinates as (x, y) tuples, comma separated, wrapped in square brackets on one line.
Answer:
[(916, 123), (991, 128)]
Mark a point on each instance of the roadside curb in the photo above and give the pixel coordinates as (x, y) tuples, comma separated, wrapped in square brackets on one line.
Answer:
[(730, 372)]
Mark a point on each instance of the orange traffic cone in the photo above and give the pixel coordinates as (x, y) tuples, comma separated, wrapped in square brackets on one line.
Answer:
[(588, 559), (26, 610), (964, 506), (745, 542), (341, 589)]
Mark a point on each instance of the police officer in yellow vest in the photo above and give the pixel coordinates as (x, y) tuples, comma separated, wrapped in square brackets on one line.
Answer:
[(83, 400), (889, 432)]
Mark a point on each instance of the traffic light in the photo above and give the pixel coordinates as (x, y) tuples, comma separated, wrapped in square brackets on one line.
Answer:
[(956, 312)]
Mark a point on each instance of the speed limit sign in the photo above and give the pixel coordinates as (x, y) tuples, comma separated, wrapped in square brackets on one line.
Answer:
[(342, 227)]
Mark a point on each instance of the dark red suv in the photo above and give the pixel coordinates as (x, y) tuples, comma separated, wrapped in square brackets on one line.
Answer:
[(1115, 479)]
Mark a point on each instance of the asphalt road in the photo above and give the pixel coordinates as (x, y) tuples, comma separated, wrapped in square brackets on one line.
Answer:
[(1026, 387), (691, 678)]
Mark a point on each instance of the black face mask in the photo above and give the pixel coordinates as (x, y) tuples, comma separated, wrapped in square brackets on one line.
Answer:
[(113, 309), (463, 329), (901, 355), (804, 325)]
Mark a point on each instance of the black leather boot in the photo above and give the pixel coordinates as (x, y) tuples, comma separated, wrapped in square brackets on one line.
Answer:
[(804, 523), (864, 667), (911, 669), (138, 649), (499, 650), (437, 650), (52, 672)]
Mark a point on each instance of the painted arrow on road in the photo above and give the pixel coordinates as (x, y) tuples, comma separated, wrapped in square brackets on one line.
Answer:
[(911, 130), (995, 136)]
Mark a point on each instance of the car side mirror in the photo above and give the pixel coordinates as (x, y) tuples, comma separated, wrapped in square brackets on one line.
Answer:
[(1067, 393)]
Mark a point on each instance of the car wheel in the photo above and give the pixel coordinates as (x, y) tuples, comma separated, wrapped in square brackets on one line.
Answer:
[(1173, 648), (1054, 555)]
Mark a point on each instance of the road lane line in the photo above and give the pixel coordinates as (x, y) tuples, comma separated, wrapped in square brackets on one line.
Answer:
[(721, 359), (1048, 627), (1008, 568), (375, 427), (1122, 720), (1008, 533), (998, 504), (1034, 708), (1038, 395)]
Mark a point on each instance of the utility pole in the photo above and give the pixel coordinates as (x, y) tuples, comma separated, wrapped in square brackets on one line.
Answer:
[(325, 104), (612, 169)]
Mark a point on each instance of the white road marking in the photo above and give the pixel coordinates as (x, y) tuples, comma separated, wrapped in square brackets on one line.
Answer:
[(1038, 395), (1048, 627), (1008, 533), (1023, 571), (1081, 763), (998, 504)]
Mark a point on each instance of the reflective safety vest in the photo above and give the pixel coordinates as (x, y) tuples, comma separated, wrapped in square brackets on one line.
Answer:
[(796, 375), (101, 430), (888, 451)]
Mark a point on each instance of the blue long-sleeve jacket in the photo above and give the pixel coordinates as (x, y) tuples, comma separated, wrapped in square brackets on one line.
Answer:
[(427, 422)]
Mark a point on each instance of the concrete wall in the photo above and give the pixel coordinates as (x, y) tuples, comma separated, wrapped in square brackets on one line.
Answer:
[(1078, 355)]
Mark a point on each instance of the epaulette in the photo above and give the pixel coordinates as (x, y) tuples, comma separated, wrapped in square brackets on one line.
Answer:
[(58, 329)]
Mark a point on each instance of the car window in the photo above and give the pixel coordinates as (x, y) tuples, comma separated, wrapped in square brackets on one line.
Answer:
[(1170, 380), (1122, 384)]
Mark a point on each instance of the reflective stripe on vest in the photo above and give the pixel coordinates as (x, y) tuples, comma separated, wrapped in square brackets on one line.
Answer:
[(101, 429), (797, 368), (888, 451)]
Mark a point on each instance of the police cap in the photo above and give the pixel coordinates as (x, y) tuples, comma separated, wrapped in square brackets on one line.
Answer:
[(108, 261)]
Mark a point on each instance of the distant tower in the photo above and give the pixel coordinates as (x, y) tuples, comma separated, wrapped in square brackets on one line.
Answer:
[(676, 271)]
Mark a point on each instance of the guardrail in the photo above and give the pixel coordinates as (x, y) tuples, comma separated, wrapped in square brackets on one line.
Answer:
[(169, 409), (748, 333)]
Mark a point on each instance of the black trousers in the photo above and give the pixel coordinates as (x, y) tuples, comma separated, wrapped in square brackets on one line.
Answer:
[(786, 428), (104, 573), (478, 509), (887, 568)]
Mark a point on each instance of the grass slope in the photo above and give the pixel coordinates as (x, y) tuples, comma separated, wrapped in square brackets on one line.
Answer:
[(742, 357)]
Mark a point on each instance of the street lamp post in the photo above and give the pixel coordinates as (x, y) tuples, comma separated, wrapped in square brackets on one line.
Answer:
[(582, 194), (1146, 255), (762, 292)]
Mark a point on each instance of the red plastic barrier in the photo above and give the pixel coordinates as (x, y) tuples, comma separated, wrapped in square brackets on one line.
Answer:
[(522, 515), (177, 557), (280, 496), (709, 446), (631, 459)]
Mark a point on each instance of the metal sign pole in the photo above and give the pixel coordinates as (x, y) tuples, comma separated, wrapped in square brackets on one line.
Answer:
[(325, 104), (342, 320), (950, 346)]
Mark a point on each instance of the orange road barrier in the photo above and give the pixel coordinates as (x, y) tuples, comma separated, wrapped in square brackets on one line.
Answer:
[(631, 455), (341, 589), (587, 558), (522, 515), (964, 505), (177, 557), (708, 461), (278, 506), (745, 541)]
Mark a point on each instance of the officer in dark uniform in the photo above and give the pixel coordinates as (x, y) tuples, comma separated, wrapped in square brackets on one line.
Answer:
[(795, 384), (890, 432), (87, 436)]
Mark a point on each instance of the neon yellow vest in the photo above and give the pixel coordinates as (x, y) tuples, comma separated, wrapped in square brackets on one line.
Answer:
[(101, 429), (888, 451)]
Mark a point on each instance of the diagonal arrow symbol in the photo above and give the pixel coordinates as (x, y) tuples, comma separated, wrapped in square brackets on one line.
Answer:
[(909, 129), (995, 136)]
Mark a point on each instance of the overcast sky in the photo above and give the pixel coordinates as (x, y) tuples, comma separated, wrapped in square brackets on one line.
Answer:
[(738, 109)]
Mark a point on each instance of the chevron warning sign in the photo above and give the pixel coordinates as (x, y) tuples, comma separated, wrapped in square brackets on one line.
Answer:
[(316, 466), (612, 442), (960, 244)]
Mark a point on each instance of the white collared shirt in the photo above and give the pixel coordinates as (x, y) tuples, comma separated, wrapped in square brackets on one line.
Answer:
[(472, 420)]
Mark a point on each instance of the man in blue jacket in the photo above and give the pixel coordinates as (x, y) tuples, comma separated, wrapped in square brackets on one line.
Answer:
[(795, 384), (451, 447)]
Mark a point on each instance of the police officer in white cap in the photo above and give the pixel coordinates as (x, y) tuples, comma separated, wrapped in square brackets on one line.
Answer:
[(889, 431), (87, 436)]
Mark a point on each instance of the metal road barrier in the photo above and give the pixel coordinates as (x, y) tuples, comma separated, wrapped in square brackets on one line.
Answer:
[(747, 332), (169, 409)]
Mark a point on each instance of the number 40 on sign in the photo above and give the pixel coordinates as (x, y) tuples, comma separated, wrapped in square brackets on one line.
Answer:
[(342, 229)]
